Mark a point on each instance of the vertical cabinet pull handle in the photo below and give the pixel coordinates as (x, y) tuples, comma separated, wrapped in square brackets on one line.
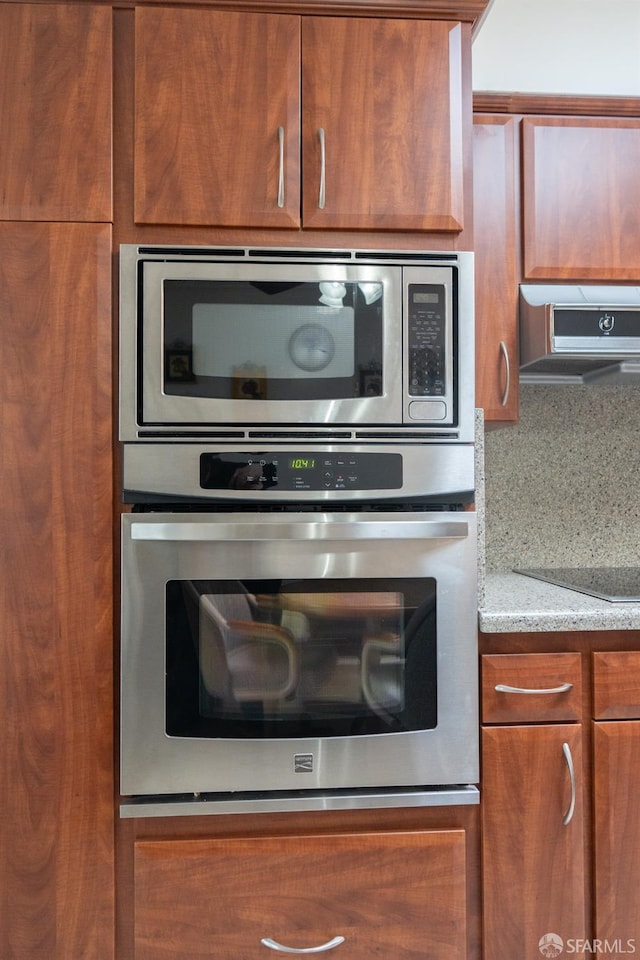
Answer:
[(323, 168), (572, 777), (281, 167), (274, 945), (507, 369), (504, 688)]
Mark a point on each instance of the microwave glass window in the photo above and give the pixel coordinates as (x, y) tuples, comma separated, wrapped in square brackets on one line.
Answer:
[(255, 659), (272, 341)]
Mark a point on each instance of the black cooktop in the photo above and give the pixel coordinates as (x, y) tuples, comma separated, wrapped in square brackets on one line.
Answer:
[(616, 584)]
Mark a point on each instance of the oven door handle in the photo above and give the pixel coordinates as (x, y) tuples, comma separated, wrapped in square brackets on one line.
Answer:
[(222, 530)]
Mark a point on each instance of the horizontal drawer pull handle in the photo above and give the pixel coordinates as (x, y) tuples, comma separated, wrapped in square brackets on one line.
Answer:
[(503, 688), (274, 945)]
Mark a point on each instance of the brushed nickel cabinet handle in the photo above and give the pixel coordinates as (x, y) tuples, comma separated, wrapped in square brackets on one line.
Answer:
[(323, 168), (280, 948), (507, 368), (281, 167), (566, 749), (503, 688)]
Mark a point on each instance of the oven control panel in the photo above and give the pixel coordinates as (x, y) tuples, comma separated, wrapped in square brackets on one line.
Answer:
[(300, 470)]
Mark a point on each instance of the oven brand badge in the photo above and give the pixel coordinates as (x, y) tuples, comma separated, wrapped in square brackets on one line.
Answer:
[(303, 763)]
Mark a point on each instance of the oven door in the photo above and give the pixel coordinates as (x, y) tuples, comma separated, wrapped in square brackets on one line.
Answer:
[(301, 653)]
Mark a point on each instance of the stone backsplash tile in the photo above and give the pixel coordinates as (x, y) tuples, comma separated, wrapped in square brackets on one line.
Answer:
[(563, 486)]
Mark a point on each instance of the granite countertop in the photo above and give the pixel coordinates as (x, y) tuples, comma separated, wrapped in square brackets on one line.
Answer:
[(512, 603)]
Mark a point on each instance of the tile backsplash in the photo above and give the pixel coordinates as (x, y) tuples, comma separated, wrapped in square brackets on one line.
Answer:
[(562, 488)]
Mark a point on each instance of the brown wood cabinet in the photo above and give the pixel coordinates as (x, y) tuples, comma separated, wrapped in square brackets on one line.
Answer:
[(56, 750), (556, 197), (532, 804), (581, 199), (616, 761), (55, 112), (220, 121), (497, 264), (400, 894)]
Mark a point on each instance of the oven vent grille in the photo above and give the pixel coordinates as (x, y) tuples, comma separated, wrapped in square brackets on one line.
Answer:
[(293, 253), (382, 506), (400, 435)]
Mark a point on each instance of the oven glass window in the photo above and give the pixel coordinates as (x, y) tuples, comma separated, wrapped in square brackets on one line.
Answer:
[(312, 658), (231, 339)]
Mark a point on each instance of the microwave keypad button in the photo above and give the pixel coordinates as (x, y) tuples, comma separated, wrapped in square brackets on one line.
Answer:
[(427, 410)]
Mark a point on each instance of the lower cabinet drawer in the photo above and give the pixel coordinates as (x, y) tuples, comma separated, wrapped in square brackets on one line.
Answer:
[(531, 687), (400, 895), (616, 685)]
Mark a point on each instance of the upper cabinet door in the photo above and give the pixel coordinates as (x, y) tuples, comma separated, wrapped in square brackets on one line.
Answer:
[(382, 124), (497, 265), (217, 110), (581, 198), (55, 112)]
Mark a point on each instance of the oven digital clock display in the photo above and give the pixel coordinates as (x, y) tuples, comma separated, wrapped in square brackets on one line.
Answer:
[(302, 463)]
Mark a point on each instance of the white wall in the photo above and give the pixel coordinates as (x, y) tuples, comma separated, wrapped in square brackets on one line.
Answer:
[(581, 47)]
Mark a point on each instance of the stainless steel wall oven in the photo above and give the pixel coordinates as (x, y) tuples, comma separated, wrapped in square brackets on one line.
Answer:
[(298, 619)]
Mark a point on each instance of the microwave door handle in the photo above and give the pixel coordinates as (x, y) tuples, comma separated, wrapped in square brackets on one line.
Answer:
[(307, 530)]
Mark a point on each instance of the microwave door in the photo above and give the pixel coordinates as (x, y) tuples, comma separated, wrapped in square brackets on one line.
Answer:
[(243, 344)]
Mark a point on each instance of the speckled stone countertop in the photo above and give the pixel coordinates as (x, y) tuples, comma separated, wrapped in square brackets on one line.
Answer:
[(512, 603)]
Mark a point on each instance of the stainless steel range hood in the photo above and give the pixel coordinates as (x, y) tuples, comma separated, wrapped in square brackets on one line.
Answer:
[(579, 334)]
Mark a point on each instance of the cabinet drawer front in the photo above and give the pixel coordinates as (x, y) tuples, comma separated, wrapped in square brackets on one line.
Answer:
[(386, 894), (616, 685), (531, 687)]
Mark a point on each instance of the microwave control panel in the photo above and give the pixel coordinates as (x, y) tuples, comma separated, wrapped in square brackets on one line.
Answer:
[(295, 470), (427, 371)]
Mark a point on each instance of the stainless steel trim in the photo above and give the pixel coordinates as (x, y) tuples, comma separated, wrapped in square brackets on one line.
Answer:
[(329, 945), (272, 803), (323, 168), (507, 367), (322, 528), (595, 346), (503, 688), (281, 167), (566, 749), (168, 469)]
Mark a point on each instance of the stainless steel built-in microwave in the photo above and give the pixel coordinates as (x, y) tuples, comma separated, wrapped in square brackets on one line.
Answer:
[(349, 345)]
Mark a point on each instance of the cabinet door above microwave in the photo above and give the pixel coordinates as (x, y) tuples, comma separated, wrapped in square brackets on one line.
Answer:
[(217, 117), (263, 120)]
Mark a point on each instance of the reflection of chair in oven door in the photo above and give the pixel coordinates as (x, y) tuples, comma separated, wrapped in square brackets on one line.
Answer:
[(240, 658), (397, 674), (382, 673)]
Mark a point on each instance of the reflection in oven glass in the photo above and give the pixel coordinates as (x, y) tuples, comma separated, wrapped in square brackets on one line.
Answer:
[(259, 659)]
